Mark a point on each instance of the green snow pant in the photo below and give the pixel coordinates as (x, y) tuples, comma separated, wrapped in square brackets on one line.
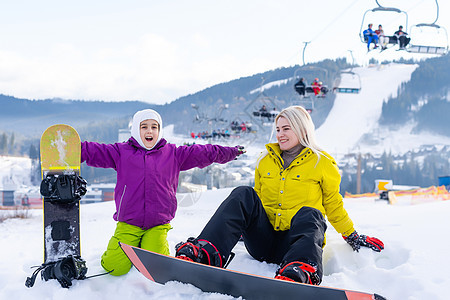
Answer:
[(153, 239)]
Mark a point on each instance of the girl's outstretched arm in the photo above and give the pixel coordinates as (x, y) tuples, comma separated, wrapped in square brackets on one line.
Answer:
[(203, 155), (99, 155)]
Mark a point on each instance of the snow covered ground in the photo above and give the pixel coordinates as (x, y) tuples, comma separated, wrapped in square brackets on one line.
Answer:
[(414, 264)]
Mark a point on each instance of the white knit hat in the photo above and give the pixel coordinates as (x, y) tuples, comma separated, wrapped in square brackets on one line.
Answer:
[(142, 115)]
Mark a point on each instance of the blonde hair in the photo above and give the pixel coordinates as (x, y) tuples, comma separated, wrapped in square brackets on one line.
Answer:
[(303, 127)]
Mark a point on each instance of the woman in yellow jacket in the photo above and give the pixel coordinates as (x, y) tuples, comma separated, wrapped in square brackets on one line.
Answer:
[(282, 219)]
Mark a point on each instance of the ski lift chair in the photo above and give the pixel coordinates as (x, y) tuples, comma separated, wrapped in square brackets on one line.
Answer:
[(434, 48), (352, 86), (309, 89), (440, 33), (262, 119), (380, 9), (346, 90)]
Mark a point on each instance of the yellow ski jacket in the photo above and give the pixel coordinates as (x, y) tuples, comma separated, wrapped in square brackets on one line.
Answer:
[(306, 182)]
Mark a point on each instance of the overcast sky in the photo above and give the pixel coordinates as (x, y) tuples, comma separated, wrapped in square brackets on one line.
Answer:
[(157, 51)]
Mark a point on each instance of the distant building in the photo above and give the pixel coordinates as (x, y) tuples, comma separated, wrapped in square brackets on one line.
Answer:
[(7, 198)]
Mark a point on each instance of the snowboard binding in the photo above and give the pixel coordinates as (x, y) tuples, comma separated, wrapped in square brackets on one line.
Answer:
[(202, 251), (64, 270), (63, 189), (300, 272)]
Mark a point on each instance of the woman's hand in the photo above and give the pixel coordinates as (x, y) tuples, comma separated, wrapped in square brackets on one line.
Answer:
[(356, 241)]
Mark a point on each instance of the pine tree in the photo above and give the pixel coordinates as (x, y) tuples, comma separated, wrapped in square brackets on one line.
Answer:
[(33, 152), (4, 144), (11, 144)]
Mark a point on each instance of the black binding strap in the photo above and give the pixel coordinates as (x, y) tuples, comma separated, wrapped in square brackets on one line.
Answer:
[(63, 189), (64, 270)]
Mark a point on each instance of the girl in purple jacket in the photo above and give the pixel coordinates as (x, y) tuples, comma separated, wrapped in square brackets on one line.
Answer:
[(147, 178)]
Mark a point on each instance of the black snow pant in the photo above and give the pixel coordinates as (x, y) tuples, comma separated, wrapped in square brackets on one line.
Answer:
[(242, 213), (300, 90), (403, 41)]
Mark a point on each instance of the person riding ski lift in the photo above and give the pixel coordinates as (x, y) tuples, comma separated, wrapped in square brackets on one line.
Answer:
[(370, 37), (300, 87), (402, 38), (383, 40), (316, 86)]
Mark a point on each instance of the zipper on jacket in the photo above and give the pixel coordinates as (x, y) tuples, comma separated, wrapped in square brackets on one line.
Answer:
[(120, 203)]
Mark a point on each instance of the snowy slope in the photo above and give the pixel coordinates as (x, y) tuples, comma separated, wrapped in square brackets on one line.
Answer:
[(270, 85), (352, 124), (353, 115), (414, 264), (14, 171)]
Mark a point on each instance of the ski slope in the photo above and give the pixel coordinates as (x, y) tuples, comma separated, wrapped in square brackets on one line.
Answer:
[(352, 124), (354, 115)]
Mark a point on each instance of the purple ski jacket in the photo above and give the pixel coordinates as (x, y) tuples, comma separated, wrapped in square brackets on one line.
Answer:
[(147, 180)]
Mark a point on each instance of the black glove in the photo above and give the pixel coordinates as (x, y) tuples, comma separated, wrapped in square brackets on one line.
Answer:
[(356, 241), (240, 150)]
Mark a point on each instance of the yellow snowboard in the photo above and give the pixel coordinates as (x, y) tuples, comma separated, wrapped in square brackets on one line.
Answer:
[(60, 149)]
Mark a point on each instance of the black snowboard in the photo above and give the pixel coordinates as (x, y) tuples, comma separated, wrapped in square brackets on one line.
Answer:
[(163, 268)]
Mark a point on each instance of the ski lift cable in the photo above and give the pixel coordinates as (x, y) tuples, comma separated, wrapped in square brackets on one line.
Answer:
[(327, 26), (334, 20), (413, 6)]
